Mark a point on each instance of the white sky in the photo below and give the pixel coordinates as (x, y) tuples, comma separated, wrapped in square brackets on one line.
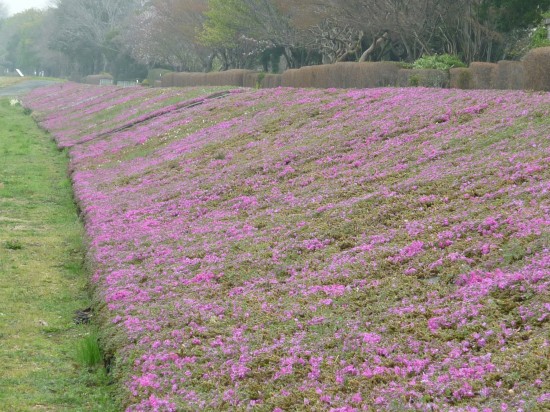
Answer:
[(16, 6)]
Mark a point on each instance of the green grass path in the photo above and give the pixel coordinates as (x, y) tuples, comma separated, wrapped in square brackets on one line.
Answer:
[(42, 280)]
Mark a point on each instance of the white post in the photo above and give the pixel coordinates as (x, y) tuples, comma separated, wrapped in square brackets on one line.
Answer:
[(547, 24)]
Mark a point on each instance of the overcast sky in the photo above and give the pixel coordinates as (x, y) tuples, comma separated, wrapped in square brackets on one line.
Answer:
[(15, 6)]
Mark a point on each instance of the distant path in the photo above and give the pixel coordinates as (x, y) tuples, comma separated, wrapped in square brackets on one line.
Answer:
[(24, 87)]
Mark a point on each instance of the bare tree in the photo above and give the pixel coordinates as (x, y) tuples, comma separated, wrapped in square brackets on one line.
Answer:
[(277, 28), (396, 27), (52, 62), (336, 41), (462, 32), (245, 31), (85, 28), (408, 29), (164, 33)]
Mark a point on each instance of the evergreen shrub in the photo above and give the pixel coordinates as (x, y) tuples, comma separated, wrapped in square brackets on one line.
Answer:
[(439, 62)]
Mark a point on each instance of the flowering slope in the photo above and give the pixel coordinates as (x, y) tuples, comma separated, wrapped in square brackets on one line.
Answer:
[(380, 249)]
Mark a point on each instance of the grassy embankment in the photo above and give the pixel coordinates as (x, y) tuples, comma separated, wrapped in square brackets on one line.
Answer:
[(42, 278)]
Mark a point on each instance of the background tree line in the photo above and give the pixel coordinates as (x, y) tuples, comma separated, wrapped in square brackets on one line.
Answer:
[(128, 37)]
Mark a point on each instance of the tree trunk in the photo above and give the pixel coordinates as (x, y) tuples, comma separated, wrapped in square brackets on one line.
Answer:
[(290, 61), (210, 62), (377, 43), (352, 52)]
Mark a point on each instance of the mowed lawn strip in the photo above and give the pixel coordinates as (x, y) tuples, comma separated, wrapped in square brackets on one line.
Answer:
[(42, 279)]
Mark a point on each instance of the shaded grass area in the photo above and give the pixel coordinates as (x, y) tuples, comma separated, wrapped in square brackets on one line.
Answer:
[(42, 278)]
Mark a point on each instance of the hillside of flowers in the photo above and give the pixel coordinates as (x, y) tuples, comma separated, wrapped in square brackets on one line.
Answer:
[(315, 250)]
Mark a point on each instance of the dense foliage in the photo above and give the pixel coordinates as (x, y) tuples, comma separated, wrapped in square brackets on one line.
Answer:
[(439, 62), (315, 250), (539, 37), (508, 15)]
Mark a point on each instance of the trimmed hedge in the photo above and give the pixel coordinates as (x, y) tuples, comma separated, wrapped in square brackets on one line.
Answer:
[(508, 75), (343, 75), (271, 81), (96, 78), (154, 75), (533, 73), (289, 78), (423, 78), (262, 80), (186, 79), (461, 78), (537, 69), (251, 79), (167, 80), (482, 74), (227, 78)]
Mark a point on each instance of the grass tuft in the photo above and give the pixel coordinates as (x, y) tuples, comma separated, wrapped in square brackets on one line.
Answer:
[(88, 352), (13, 245)]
